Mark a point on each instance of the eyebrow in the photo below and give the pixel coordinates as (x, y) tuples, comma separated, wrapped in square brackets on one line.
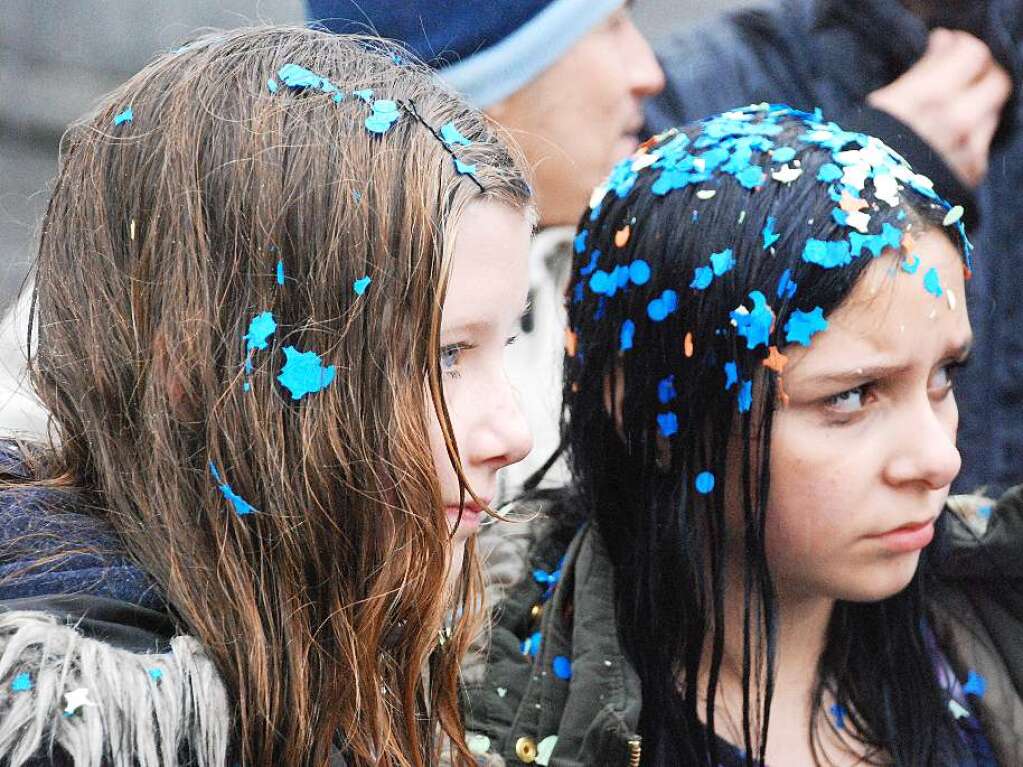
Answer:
[(874, 372), (477, 326)]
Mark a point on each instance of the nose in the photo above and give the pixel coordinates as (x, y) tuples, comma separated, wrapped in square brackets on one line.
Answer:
[(927, 454), (502, 436), (645, 73)]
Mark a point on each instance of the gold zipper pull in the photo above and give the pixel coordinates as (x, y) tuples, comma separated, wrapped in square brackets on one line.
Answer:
[(635, 750)]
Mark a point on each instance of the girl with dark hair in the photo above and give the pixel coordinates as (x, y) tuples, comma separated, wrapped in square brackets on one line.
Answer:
[(756, 563), (276, 279)]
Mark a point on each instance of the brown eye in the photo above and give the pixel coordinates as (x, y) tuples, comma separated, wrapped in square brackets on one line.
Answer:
[(849, 401)]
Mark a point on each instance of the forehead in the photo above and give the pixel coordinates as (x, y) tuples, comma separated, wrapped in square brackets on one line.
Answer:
[(896, 314), (489, 266)]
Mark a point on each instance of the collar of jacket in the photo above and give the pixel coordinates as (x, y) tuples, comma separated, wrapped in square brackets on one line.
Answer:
[(519, 701)]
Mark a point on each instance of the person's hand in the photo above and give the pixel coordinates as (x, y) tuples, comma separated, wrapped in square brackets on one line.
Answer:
[(952, 98)]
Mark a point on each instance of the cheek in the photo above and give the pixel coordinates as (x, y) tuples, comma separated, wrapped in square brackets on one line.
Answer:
[(438, 448), (809, 505)]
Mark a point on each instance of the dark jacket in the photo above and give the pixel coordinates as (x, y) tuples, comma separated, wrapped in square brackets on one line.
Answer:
[(77, 614), (516, 701), (831, 54)]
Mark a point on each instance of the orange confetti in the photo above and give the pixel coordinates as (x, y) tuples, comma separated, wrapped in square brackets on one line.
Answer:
[(852, 204), (967, 274), (687, 344), (782, 396), (908, 243), (775, 360), (622, 236), (571, 342)]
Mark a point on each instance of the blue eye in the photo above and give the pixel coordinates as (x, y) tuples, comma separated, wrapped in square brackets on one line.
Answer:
[(449, 357)]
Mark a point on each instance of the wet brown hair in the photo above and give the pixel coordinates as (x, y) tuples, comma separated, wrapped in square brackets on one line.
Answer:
[(324, 607)]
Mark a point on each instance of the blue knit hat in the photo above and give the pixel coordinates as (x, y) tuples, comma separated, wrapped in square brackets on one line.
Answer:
[(486, 49)]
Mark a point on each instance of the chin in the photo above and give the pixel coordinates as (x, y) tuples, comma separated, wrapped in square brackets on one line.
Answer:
[(880, 581)]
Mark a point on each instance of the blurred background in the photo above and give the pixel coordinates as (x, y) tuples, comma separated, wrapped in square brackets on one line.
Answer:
[(58, 57)]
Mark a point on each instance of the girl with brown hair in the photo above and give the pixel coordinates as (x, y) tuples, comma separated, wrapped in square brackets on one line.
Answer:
[(275, 282)]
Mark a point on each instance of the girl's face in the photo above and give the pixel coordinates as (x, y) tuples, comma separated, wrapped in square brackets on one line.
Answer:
[(863, 453), (486, 296)]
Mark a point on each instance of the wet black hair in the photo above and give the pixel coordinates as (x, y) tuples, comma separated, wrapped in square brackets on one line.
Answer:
[(667, 541)]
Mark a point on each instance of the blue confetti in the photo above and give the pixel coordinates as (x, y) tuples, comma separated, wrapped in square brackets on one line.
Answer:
[(975, 684), (932, 282), (639, 271), (601, 283), (666, 390), (360, 285), (783, 154), (587, 270), (303, 373), (620, 275), (984, 512), (280, 271), (124, 117), (702, 277), (300, 78), (562, 667), (722, 262), (261, 328), (545, 578), (667, 423), (451, 136), (745, 396), (802, 325), (464, 168), (626, 335), (829, 172), (911, 264), (241, 506), (156, 674), (531, 644), (271, 85), (770, 236), (839, 713), (704, 483), (754, 324), (661, 307), (366, 94), (751, 176), (21, 683), (890, 237), (827, 254), (731, 375), (786, 287), (579, 243)]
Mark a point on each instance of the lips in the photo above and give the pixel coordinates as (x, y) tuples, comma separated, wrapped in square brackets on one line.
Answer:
[(906, 538)]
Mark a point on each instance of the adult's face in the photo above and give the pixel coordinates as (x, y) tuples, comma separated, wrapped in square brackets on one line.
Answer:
[(582, 114)]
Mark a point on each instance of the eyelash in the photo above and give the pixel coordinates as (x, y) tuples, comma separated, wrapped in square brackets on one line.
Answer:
[(950, 368), (456, 350)]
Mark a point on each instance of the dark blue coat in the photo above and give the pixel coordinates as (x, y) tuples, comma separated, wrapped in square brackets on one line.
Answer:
[(831, 54)]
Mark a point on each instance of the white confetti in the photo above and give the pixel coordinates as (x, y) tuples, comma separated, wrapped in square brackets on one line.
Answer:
[(478, 744), (544, 749), (954, 214), (786, 174), (75, 699)]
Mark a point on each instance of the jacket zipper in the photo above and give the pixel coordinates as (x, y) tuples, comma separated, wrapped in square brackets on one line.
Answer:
[(635, 750)]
